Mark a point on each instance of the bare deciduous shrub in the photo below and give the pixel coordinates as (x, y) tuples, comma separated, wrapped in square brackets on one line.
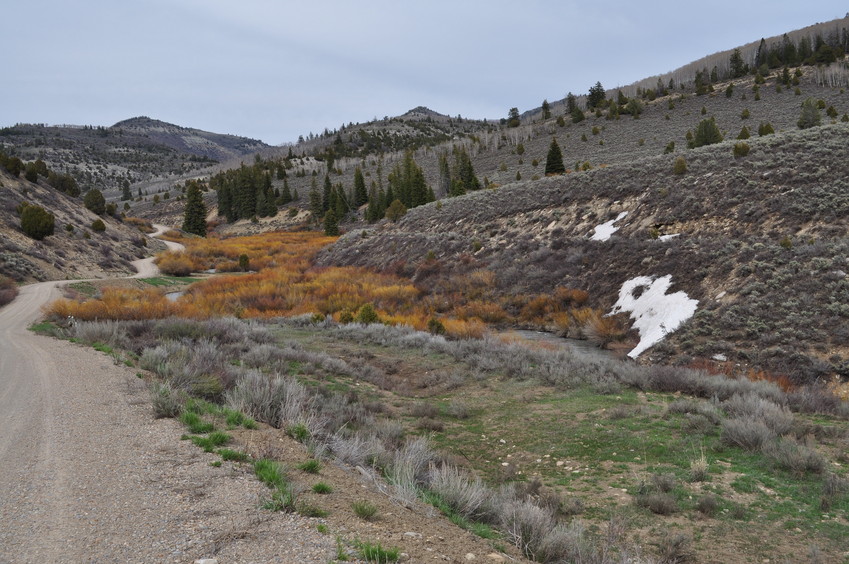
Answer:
[(618, 412), (8, 290), (664, 482)]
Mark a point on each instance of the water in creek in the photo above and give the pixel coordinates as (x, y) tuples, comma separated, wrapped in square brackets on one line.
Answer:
[(579, 346)]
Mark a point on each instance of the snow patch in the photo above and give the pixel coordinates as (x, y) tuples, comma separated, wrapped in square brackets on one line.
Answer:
[(655, 313), (665, 238), (605, 230)]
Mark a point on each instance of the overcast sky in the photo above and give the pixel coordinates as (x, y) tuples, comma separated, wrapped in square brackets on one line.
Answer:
[(275, 69)]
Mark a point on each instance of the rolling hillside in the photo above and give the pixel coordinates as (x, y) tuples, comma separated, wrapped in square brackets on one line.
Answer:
[(140, 151), (759, 241)]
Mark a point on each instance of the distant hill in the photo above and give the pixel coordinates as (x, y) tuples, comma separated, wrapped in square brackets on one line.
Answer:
[(138, 151)]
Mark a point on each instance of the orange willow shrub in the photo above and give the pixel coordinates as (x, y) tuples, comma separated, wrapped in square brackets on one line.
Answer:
[(115, 303), (459, 329), (175, 263), (285, 283), (268, 250)]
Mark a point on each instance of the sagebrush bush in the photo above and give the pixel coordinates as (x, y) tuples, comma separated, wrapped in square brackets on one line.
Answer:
[(741, 149), (795, 457), (747, 433), (661, 503), (166, 401), (679, 165), (465, 494)]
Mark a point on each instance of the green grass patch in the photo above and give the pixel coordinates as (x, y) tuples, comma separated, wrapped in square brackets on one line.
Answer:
[(233, 455), (270, 473), (87, 289), (299, 432), (376, 553), (311, 466), (211, 441), (48, 329), (282, 499), (480, 529), (364, 510), (308, 510), (195, 424), (322, 488), (160, 281)]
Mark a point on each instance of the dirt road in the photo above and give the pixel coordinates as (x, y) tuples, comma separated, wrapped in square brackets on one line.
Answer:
[(87, 474)]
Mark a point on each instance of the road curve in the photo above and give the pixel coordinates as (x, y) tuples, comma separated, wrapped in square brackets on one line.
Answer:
[(88, 475), (36, 468)]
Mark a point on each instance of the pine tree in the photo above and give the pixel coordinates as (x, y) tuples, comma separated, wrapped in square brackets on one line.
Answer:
[(810, 116), (444, 175), (546, 110), (738, 67), (360, 194), (326, 194), (707, 133), (225, 203), (331, 224), (554, 160), (285, 194), (463, 178), (195, 215), (513, 117), (375, 210), (125, 191), (95, 201), (596, 96), (571, 103), (316, 201)]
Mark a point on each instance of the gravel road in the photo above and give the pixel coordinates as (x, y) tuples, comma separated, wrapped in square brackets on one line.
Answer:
[(87, 474)]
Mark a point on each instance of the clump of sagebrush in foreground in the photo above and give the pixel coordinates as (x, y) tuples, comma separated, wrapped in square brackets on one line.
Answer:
[(195, 358)]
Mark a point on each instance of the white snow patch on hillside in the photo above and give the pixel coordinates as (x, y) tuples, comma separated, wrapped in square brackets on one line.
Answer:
[(605, 230), (665, 238), (655, 313)]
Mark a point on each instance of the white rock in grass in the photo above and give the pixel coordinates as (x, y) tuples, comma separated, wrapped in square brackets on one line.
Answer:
[(655, 313), (605, 230)]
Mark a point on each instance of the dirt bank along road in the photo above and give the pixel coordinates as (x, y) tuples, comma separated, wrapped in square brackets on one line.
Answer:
[(87, 474)]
